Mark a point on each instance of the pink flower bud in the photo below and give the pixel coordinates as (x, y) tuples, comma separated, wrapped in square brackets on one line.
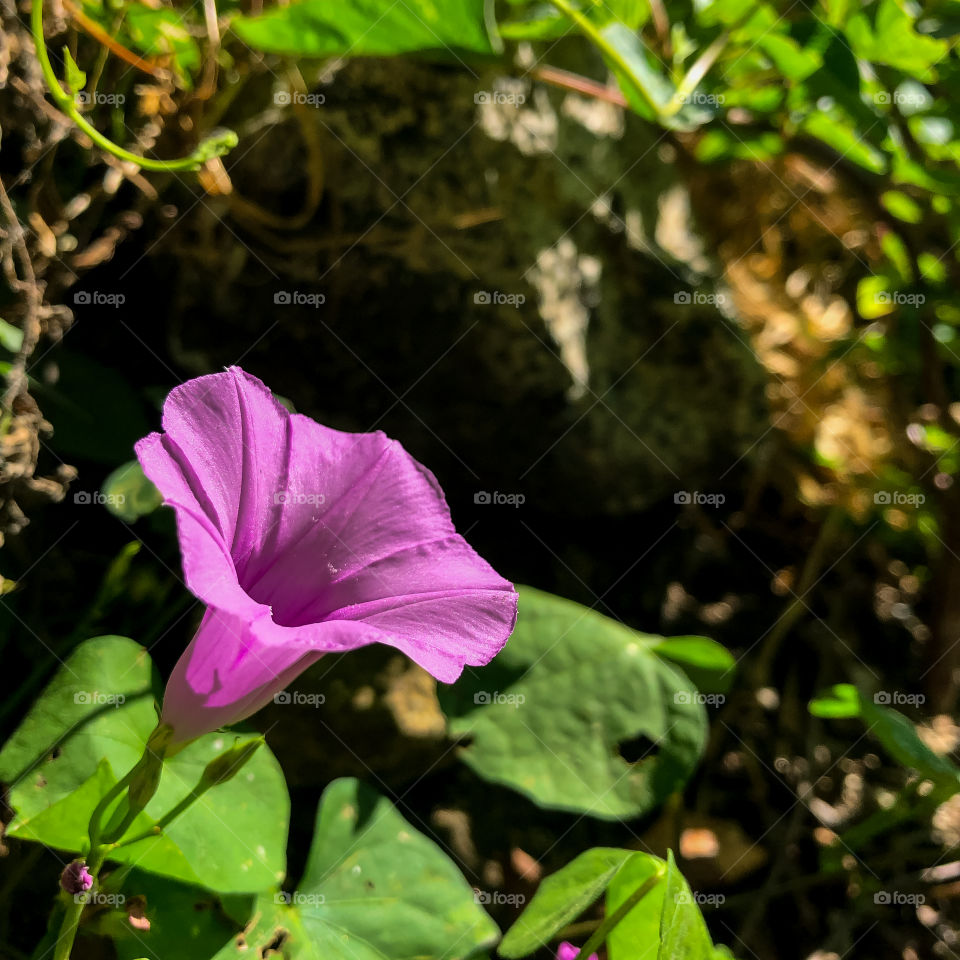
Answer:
[(567, 951), (76, 878)]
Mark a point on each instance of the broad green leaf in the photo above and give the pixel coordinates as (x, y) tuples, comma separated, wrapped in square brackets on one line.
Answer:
[(100, 706), (792, 60), (235, 835), (637, 935), (128, 493), (709, 664), (58, 825), (901, 740), (375, 888), (892, 40), (569, 690), (186, 921), (275, 929), (683, 933), (163, 31), (666, 921), (894, 731), (81, 707), (368, 28), (562, 897)]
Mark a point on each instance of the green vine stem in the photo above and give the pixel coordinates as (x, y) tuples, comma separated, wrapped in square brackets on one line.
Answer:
[(695, 74), (608, 48), (71, 918), (75, 905), (218, 144), (195, 794), (149, 764), (142, 780), (219, 770)]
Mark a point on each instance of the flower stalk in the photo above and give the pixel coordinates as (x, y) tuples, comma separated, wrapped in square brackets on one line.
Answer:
[(135, 789), (217, 144)]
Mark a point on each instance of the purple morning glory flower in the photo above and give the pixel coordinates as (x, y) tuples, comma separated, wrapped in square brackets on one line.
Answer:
[(567, 951), (76, 878), (303, 540)]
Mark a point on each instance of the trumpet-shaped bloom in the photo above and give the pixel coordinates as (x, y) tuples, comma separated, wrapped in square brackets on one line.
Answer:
[(303, 540)]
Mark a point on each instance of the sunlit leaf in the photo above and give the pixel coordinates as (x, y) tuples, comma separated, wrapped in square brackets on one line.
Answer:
[(550, 716), (367, 28)]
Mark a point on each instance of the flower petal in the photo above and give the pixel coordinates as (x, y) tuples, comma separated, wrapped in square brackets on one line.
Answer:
[(208, 568), (382, 548), (234, 666)]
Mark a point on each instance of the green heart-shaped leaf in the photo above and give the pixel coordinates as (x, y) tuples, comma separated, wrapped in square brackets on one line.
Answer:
[(569, 696), (367, 28), (562, 897), (100, 706)]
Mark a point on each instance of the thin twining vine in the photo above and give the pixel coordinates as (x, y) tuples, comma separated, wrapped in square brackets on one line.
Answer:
[(216, 145)]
